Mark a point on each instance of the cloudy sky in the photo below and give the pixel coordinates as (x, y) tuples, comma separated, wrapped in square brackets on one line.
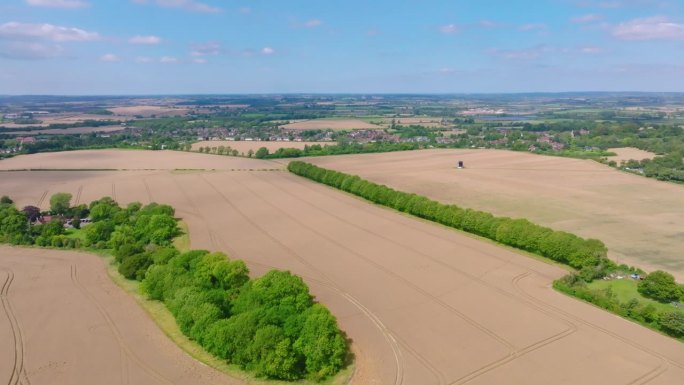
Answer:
[(352, 46)]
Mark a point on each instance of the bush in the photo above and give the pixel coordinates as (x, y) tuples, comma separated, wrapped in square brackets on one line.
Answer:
[(660, 286), (135, 266), (672, 323)]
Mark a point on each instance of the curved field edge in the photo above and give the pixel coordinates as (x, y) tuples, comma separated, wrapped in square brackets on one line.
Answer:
[(129, 238), (166, 322), (586, 259)]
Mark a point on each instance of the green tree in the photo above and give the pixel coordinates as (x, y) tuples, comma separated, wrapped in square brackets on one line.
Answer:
[(321, 343), (5, 200), (135, 266), (660, 286), (103, 211), (672, 323), (60, 203), (98, 232), (261, 153), (52, 228)]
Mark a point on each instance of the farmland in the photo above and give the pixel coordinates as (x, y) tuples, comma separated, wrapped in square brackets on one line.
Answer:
[(421, 303), (627, 153), (579, 196), (147, 111), (111, 341), (333, 124), (245, 146), (67, 131)]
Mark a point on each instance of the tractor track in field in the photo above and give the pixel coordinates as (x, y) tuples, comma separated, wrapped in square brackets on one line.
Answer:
[(571, 327), (42, 198), (548, 309), (387, 333), (647, 377), (127, 355), (147, 189), (388, 272), (18, 375), (418, 229)]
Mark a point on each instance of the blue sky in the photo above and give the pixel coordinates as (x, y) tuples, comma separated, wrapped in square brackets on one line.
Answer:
[(382, 46)]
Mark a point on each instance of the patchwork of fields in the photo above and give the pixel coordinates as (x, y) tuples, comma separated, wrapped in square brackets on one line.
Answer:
[(423, 304)]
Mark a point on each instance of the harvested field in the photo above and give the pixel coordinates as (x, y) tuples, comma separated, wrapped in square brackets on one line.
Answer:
[(639, 219), (61, 118), (65, 322), (67, 131), (131, 160), (424, 121), (244, 146), (423, 304), (148, 111), (333, 124), (627, 153)]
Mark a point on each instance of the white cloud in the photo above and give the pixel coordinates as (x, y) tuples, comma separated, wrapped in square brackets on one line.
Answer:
[(143, 59), (533, 27), (199, 60), (58, 3), (188, 5), (587, 18), (449, 28), (488, 24), (591, 50), (267, 51), (168, 59), (206, 49), (313, 23), (651, 28), (532, 53), (22, 31), (145, 40), (30, 50), (245, 10), (110, 57)]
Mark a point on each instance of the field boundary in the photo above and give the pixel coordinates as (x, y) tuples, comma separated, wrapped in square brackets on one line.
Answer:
[(585, 258)]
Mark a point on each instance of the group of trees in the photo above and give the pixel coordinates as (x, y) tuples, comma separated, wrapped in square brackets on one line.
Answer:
[(661, 286), (21, 227), (670, 322), (270, 325), (220, 150), (336, 149), (586, 255)]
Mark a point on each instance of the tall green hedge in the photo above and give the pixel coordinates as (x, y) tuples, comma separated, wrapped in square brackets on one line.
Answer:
[(587, 255)]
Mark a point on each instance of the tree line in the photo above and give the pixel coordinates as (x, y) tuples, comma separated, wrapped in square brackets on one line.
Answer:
[(270, 326), (587, 255)]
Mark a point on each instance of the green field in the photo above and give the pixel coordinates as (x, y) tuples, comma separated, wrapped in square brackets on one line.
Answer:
[(626, 289)]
